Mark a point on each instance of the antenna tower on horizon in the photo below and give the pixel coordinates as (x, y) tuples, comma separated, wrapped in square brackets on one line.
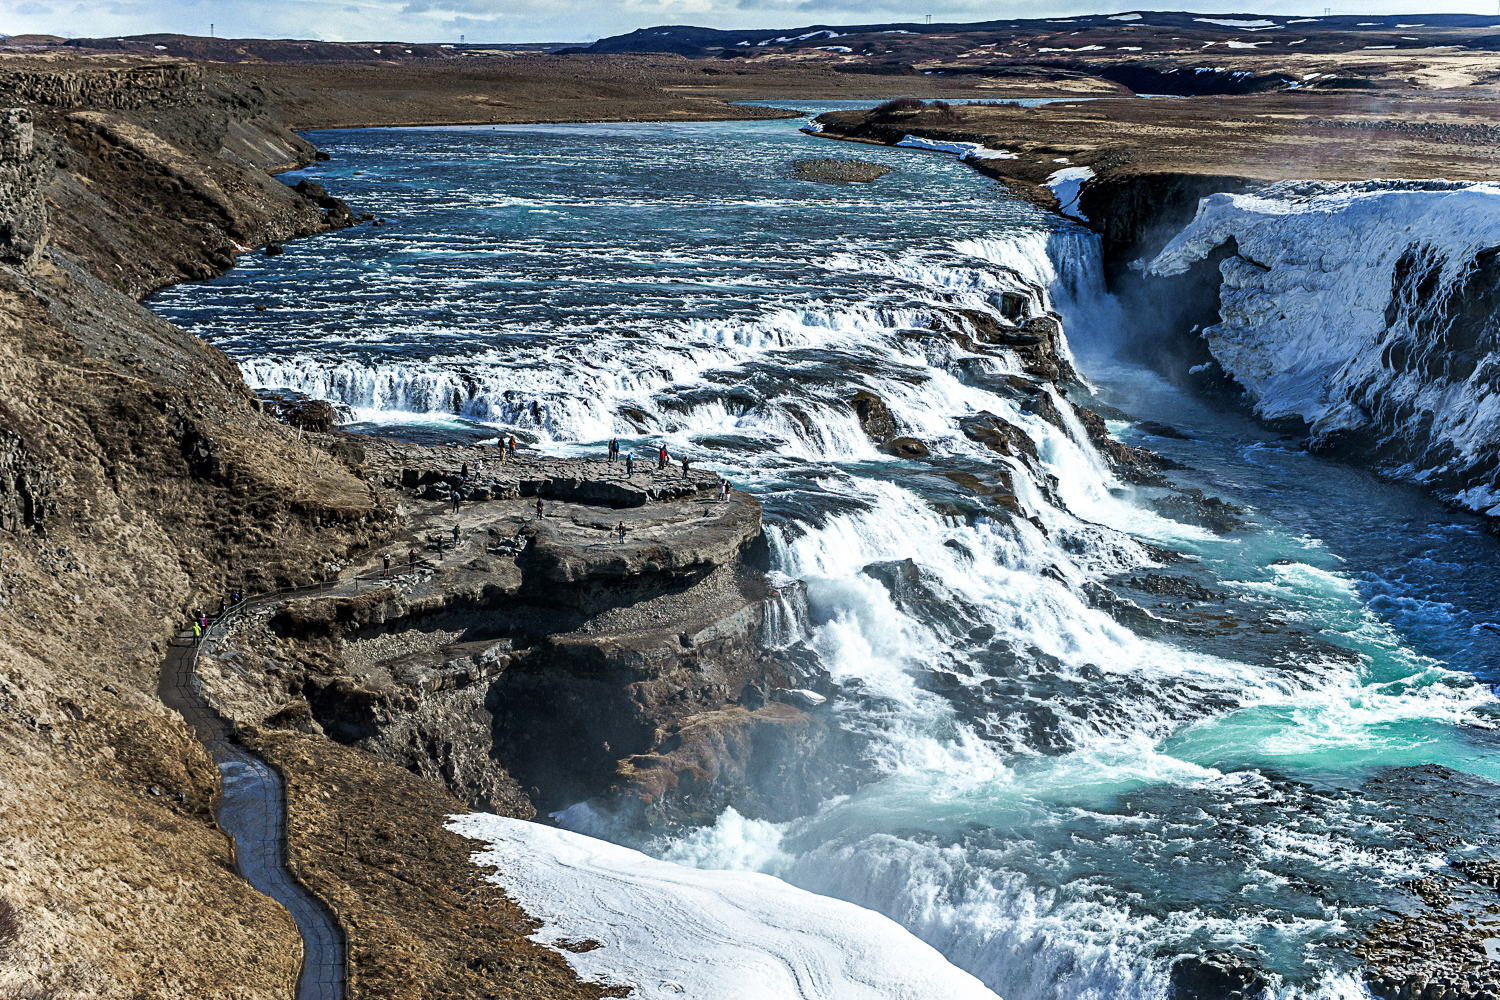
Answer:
[(929, 18)]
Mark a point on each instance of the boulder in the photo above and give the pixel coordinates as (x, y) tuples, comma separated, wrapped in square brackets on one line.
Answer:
[(874, 416), (338, 213), (296, 716), (1215, 976), (907, 447)]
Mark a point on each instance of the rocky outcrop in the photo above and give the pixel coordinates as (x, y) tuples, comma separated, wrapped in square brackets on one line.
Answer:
[(23, 215), (118, 87), (774, 763), (1216, 976), (28, 488)]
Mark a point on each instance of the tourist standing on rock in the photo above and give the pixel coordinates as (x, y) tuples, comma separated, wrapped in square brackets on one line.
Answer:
[(723, 490), (614, 449), (456, 499), (197, 633), (440, 547), (661, 458), (630, 463), (622, 531), (684, 467), (464, 472), (411, 558), (385, 570), (539, 514), (512, 444), (457, 534), (223, 606)]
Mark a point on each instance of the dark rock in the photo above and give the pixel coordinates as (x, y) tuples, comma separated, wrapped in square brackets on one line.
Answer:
[(1160, 430), (23, 213), (1215, 976), (28, 486), (1134, 465), (339, 214), (274, 250), (1192, 507), (1013, 306), (874, 416), (321, 156), (998, 435), (907, 447), (752, 696)]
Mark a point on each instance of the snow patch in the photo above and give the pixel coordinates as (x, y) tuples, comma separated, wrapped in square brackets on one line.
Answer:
[(964, 150), (1081, 48), (1125, 17), (1227, 23), (1067, 184), (673, 932)]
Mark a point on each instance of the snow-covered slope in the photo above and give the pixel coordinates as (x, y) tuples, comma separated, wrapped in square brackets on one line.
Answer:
[(686, 933), (1367, 311)]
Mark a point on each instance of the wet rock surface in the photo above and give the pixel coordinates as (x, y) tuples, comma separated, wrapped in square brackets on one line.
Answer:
[(527, 656), (1216, 976), (838, 171)]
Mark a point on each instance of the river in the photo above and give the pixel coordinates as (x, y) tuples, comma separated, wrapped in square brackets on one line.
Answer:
[(1062, 805)]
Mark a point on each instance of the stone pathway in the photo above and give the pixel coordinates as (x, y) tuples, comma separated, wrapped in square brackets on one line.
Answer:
[(252, 811)]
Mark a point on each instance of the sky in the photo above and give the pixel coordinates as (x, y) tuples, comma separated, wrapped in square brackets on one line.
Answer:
[(559, 20)]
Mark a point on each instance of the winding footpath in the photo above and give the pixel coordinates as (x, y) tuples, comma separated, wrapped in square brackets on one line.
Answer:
[(252, 810)]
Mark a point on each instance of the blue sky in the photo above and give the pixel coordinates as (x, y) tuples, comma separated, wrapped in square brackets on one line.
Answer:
[(546, 20)]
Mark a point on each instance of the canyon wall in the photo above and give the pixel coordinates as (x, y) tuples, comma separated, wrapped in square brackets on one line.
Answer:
[(1366, 313), (138, 479)]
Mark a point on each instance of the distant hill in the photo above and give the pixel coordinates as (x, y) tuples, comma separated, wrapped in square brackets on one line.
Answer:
[(697, 42)]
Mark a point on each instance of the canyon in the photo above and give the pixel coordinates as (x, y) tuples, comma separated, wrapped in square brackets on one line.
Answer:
[(526, 656)]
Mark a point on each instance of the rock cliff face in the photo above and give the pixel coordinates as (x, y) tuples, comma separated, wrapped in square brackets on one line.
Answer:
[(23, 215), (137, 480), (529, 660), (1366, 313), (154, 173)]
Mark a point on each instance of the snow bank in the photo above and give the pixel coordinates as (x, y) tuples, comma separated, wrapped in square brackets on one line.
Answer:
[(965, 150), (678, 932), (1365, 310), (1067, 184)]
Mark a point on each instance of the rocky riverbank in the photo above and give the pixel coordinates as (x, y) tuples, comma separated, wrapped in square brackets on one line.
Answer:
[(141, 480)]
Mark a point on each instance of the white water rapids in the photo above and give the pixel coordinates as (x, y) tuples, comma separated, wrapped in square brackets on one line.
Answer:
[(1059, 805)]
